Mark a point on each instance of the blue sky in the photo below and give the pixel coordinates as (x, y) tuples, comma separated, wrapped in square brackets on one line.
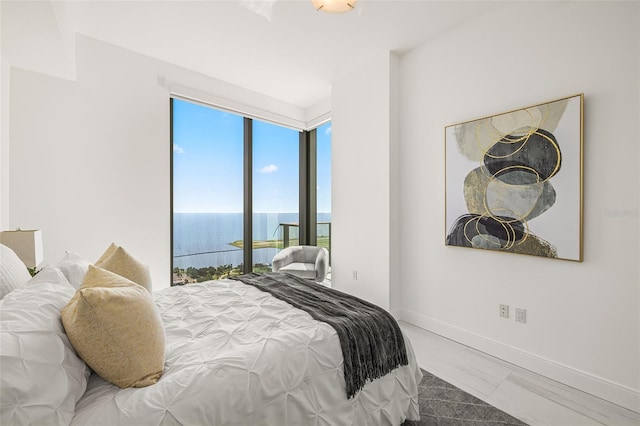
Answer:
[(208, 162)]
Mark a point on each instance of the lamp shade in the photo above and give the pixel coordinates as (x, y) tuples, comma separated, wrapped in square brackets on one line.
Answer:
[(27, 244), (334, 6)]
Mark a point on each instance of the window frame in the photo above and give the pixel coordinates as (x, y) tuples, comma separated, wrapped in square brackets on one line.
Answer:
[(307, 184)]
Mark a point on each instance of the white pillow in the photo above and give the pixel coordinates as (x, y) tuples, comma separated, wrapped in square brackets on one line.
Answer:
[(74, 268), (42, 377), (13, 272)]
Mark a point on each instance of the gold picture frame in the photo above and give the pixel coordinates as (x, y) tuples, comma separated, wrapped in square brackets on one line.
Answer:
[(514, 181)]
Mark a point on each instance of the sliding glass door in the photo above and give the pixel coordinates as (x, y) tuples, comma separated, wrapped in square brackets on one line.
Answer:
[(276, 190)]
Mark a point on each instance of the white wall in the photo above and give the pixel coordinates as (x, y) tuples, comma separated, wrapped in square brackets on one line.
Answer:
[(583, 325), (395, 168), (360, 191), (90, 158), (5, 78), (35, 36)]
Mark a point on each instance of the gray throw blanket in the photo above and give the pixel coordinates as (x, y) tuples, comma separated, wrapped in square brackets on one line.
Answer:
[(371, 340)]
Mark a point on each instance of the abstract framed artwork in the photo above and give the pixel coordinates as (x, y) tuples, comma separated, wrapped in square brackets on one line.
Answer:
[(513, 181)]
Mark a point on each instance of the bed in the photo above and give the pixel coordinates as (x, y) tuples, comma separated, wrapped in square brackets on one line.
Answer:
[(233, 355)]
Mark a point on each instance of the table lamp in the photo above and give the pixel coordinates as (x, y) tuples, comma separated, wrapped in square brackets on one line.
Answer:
[(27, 244)]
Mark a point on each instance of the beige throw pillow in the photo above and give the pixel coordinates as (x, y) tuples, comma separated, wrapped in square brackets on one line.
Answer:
[(107, 253), (115, 327), (119, 261)]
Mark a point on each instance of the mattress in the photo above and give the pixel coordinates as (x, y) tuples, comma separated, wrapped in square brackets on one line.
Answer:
[(238, 356)]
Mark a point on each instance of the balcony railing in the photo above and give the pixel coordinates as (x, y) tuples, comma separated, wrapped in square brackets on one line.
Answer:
[(323, 238)]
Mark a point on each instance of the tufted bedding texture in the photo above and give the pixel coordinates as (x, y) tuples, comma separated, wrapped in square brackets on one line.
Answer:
[(238, 356)]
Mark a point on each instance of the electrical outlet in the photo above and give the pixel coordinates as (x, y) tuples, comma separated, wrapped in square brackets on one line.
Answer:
[(354, 275), (521, 315), (504, 311)]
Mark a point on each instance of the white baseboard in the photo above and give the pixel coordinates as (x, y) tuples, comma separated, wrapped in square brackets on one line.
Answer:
[(586, 382), (396, 313)]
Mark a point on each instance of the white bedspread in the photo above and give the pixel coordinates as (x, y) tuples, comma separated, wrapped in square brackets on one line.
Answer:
[(238, 356)]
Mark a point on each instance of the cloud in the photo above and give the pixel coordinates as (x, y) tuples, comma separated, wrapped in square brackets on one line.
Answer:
[(327, 131), (269, 169), (178, 149)]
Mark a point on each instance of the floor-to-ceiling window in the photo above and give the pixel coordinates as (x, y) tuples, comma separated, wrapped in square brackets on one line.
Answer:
[(323, 186), (207, 192), (240, 188), (276, 190)]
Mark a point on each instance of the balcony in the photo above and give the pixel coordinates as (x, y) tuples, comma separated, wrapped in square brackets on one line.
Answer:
[(290, 235), (210, 246)]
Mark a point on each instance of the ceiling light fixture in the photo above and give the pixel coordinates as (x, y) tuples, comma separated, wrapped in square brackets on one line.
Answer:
[(334, 6)]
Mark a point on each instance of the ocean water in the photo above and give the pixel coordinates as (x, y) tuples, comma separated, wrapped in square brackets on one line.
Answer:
[(204, 239)]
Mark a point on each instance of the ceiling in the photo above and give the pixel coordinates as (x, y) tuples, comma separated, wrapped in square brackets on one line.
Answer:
[(284, 49)]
